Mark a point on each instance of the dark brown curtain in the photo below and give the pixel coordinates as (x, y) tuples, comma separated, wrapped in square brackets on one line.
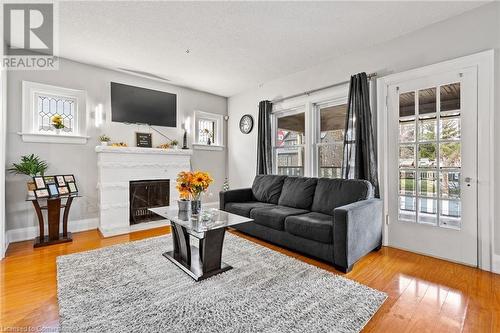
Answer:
[(264, 155), (360, 159)]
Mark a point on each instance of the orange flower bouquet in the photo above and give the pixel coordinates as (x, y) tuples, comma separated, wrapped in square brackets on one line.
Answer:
[(191, 185)]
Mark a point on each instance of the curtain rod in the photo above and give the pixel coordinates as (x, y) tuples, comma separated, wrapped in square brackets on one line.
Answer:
[(370, 76)]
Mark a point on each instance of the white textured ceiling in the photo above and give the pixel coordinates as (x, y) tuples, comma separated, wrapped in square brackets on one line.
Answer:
[(234, 45)]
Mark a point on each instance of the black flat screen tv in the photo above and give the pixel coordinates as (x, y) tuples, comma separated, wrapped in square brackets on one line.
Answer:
[(136, 105)]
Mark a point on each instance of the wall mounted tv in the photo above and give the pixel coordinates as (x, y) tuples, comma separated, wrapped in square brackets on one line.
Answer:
[(136, 105)]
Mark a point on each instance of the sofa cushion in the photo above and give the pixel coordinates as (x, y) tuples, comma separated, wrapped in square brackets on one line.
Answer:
[(314, 226), (267, 188), (298, 192), (333, 193), (244, 208), (274, 217)]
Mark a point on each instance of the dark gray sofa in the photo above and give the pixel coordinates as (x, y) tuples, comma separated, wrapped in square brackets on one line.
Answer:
[(335, 220)]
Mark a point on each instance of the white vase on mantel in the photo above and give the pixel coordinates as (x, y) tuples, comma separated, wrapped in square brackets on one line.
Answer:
[(104, 143), (58, 131)]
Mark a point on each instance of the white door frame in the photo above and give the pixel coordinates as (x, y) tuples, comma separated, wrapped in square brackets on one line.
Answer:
[(484, 62)]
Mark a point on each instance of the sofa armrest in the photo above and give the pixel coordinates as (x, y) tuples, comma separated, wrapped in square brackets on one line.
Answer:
[(357, 230), (238, 195)]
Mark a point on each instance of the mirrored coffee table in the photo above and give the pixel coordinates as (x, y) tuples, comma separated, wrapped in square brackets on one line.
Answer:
[(209, 228)]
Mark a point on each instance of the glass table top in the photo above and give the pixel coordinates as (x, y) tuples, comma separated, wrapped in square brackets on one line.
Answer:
[(208, 219)]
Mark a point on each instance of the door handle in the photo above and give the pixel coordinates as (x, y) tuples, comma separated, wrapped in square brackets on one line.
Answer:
[(468, 180)]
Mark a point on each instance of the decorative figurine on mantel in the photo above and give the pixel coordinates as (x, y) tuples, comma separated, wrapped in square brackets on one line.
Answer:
[(184, 139), (104, 139)]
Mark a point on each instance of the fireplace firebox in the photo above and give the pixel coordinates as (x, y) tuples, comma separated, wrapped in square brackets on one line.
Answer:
[(145, 194)]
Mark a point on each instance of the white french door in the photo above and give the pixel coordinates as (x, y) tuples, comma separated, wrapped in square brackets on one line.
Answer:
[(432, 166)]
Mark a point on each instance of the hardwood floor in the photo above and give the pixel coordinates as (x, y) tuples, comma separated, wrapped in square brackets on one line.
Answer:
[(425, 294)]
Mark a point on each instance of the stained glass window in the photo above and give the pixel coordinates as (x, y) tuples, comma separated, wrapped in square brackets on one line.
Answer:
[(48, 106)]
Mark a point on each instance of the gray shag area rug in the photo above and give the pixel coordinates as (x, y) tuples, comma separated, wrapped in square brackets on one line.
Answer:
[(132, 288)]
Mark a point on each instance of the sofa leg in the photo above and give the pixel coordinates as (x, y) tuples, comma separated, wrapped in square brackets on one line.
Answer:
[(343, 269)]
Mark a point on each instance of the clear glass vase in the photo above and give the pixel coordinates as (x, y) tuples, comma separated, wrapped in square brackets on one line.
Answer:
[(195, 207)]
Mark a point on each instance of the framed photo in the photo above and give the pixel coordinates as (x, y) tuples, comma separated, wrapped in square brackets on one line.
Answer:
[(44, 193), (60, 181), (69, 178), (143, 140), (31, 189), (63, 190), (53, 190), (72, 188), (49, 180), (40, 183)]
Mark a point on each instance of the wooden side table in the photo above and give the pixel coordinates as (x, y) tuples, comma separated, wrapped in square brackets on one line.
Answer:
[(53, 208)]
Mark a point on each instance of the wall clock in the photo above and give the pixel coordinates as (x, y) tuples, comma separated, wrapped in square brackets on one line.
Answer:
[(246, 124)]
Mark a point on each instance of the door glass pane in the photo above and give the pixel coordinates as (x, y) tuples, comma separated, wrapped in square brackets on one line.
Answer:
[(407, 104), (407, 182), (291, 130), (407, 208), (449, 127), (430, 182), (450, 155), (330, 160), (427, 184), (450, 213), (427, 129), (407, 131), (427, 155), (427, 101), (450, 97), (407, 156), (449, 182), (290, 161), (427, 211)]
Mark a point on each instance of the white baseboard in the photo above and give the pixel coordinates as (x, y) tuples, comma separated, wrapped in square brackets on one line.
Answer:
[(28, 233), (495, 263)]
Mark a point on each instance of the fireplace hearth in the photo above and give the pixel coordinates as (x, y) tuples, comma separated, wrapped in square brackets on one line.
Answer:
[(145, 194)]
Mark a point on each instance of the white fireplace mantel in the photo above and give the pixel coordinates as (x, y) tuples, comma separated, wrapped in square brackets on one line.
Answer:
[(139, 150), (117, 166)]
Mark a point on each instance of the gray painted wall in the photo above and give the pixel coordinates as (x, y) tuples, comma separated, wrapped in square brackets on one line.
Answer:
[(3, 108), (462, 35), (80, 160)]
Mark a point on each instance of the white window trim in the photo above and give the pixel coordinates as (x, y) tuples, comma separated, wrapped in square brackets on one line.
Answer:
[(309, 104), (30, 134), (219, 131), (484, 62)]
